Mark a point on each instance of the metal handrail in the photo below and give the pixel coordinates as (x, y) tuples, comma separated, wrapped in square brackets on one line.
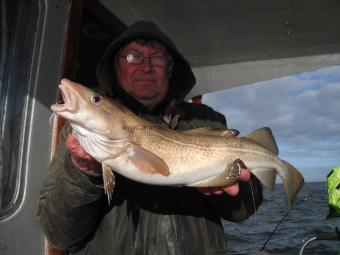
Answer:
[(329, 238)]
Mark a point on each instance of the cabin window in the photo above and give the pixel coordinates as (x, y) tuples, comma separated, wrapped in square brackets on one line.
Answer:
[(18, 23)]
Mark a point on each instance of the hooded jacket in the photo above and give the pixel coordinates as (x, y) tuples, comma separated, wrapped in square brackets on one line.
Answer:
[(182, 79), (142, 219)]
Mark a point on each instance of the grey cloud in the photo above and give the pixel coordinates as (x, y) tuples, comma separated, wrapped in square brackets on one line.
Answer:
[(302, 110), (328, 74)]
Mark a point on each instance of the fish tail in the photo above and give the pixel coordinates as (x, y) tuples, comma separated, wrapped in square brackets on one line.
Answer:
[(292, 181)]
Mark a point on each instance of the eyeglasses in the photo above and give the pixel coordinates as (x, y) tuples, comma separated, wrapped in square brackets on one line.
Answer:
[(137, 59)]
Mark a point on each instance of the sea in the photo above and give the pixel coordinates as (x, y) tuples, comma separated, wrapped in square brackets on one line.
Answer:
[(276, 229)]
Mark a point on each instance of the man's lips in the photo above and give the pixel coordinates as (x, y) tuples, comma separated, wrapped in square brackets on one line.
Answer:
[(145, 80)]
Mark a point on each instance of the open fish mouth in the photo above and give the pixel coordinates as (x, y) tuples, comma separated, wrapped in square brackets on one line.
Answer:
[(68, 102)]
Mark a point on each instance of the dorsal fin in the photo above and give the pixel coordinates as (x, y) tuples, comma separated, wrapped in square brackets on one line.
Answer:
[(227, 133), (264, 137)]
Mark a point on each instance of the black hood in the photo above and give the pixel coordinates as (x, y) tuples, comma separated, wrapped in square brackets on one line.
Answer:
[(182, 78)]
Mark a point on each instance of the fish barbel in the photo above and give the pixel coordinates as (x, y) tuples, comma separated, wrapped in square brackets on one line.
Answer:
[(154, 154)]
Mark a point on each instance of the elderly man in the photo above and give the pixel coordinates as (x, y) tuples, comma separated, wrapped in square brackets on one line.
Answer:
[(144, 71)]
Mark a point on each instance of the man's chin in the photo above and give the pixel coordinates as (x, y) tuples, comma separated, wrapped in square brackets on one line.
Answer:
[(146, 98), (148, 101)]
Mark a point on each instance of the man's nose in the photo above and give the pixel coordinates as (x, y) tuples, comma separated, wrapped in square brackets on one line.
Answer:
[(147, 65)]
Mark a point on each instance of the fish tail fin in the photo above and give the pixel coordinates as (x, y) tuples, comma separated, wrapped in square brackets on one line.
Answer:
[(292, 182)]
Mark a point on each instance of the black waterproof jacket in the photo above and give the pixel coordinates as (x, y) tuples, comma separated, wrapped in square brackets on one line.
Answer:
[(142, 219)]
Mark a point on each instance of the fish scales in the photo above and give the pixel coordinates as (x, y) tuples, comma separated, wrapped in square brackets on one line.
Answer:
[(153, 154), (178, 160)]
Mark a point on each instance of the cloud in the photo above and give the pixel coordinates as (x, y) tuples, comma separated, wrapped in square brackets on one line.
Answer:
[(327, 75), (302, 110)]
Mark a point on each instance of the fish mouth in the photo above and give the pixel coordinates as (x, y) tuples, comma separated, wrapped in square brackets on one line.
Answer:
[(68, 102)]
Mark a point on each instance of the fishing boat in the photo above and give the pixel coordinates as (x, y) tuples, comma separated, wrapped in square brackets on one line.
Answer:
[(228, 44)]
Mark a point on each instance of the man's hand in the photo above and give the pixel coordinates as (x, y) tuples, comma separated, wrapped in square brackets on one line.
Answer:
[(80, 159), (231, 190)]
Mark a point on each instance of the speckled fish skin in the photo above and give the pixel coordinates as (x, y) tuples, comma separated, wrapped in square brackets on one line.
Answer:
[(153, 154)]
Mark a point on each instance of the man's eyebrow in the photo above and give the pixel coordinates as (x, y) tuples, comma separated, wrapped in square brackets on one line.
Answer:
[(131, 49), (159, 52), (160, 49), (155, 52)]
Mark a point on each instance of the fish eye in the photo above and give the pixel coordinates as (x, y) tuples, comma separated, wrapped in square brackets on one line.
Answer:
[(96, 99)]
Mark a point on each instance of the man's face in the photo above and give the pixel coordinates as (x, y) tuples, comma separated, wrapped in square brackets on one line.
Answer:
[(145, 82)]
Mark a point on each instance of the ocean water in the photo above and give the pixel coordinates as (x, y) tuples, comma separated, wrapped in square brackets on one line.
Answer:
[(305, 220)]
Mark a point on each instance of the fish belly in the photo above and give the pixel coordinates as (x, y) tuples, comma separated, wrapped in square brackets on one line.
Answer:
[(180, 174)]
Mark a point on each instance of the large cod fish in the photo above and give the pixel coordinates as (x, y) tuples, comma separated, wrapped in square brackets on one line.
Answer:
[(154, 154)]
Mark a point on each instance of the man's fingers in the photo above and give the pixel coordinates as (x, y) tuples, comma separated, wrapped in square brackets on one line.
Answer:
[(74, 147), (205, 190), (244, 175), (71, 142), (217, 190), (232, 190), (81, 159)]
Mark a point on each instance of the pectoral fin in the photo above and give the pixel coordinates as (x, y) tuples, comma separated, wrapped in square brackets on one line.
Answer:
[(146, 161), (109, 181), (230, 175)]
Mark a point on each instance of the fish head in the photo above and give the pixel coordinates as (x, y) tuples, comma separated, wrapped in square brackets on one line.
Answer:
[(87, 110)]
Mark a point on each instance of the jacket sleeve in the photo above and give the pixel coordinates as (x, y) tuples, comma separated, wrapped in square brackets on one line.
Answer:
[(232, 208), (69, 202)]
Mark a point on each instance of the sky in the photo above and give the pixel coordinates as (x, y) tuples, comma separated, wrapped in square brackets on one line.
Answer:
[(302, 110)]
